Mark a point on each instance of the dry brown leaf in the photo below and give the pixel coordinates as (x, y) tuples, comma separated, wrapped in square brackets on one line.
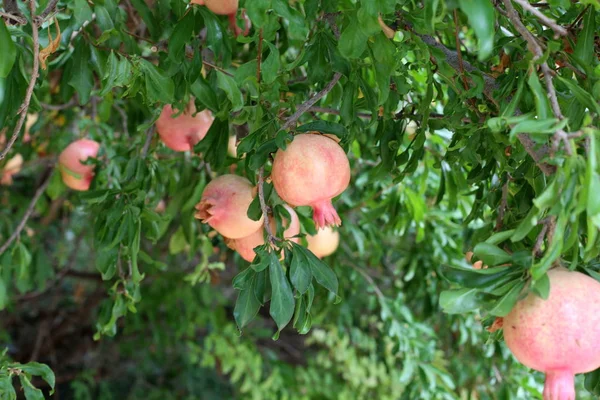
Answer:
[(497, 325), (52, 46), (389, 32)]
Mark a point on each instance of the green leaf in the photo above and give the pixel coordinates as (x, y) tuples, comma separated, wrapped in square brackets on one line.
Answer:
[(246, 306), (353, 42), (31, 392), (491, 255), (82, 11), (82, 79), (320, 271), (476, 278), (117, 73), (324, 127), (584, 97), (300, 273), (7, 390), (374, 7), (482, 18), (9, 51), (228, 85), (508, 301), (461, 300), (542, 104), (149, 19), (181, 35), (159, 88), (541, 287), (41, 370), (215, 143), (271, 65), (205, 94), (592, 382), (584, 48), (282, 298)]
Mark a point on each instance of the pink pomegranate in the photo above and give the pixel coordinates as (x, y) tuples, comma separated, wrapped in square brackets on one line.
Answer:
[(12, 168), (219, 7), (311, 171), (324, 243), (224, 206), (183, 132), (245, 246), (559, 336), (74, 174)]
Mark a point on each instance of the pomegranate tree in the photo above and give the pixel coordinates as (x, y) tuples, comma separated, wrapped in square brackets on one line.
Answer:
[(559, 336), (245, 246), (311, 171), (324, 243), (74, 174), (224, 206), (184, 131)]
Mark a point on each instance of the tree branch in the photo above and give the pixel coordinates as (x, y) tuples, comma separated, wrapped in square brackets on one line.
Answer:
[(149, 135), (311, 102), (549, 22), (49, 10), (34, 75), (264, 207), (34, 200)]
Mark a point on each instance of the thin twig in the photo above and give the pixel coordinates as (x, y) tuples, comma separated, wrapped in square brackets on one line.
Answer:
[(503, 205), (60, 107), (331, 111), (49, 10), (149, 135), (19, 20), (579, 17), (34, 75), (217, 68), (461, 66), (549, 22), (34, 200), (264, 207), (311, 102), (259, 54)]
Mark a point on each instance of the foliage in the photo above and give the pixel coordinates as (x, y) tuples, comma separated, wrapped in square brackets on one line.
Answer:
[(491, 147)]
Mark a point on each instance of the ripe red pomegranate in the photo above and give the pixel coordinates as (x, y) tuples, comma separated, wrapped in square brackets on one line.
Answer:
[(76, 175), (219, 7), (324, 243), (224, 206), (559, 336), (245, 246), (183, 132), (311, 171)]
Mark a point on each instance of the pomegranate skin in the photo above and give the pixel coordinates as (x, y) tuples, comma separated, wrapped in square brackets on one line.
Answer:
[(224, 206), (311, 171), (76, 175), (560, 335), (182, 133), (12, 167), (324, 243), (219, 7), (245, 246)]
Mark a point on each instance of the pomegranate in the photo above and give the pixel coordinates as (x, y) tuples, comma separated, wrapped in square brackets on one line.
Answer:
[(224, 206), (183, 132), (560, 335), (324, 243), (219, 7), (311, 171), (245, 246), (76, 175), (12, 167)]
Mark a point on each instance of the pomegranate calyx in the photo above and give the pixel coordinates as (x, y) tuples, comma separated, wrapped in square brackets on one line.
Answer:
[(325, 215), (560, 385)]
